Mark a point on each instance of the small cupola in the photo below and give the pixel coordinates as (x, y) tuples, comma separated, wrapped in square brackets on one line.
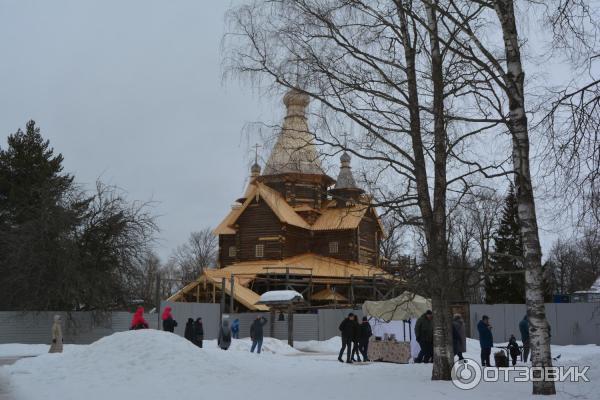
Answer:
[(345, 189)]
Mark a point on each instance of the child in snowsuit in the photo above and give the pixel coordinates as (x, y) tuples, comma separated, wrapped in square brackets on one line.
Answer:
[(513, 349)]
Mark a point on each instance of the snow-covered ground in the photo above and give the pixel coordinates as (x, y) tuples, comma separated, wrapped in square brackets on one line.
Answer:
[(150, 364)]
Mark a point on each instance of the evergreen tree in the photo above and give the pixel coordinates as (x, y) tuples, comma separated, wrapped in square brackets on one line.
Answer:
[(60, 248), (505, 282)]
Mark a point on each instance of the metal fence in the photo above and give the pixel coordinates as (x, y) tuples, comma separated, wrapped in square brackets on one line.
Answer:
[(570, 323)]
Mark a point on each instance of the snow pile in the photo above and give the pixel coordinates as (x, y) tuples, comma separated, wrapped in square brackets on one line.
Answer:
[(154, 365), (116, 367), (23, 350), (269, 346), (596, 286), (332, 345), (280, 295)]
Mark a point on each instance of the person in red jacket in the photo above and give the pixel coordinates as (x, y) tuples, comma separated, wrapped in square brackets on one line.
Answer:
[(138, 321), (169, 323)]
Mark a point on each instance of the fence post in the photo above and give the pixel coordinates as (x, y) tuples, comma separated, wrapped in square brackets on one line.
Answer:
[(157, 300), (222, 308)]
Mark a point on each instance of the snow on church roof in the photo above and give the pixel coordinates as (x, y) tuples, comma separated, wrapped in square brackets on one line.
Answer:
[(280, 296)]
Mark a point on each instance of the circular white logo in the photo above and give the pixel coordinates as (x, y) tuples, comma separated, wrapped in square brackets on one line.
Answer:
[(466, 374)]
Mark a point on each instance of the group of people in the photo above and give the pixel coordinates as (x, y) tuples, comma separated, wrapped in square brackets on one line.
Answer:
[(194, 331), (228, 331), (355, 339), (424, 336), (486, 341)]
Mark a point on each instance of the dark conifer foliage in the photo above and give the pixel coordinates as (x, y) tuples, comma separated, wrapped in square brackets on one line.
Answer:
[(505, 282), (62, 248)]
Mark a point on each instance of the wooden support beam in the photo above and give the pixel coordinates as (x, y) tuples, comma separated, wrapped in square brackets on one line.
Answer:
[(231, 294)]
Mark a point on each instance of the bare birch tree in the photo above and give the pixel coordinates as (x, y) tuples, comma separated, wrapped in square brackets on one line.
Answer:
[(386, 67)]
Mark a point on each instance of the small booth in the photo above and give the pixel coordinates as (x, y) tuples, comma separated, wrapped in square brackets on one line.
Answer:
[(392, 322), (282, 301)]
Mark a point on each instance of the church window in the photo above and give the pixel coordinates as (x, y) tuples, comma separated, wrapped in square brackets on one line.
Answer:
[(232, 251), (333, 247), (260, 250)]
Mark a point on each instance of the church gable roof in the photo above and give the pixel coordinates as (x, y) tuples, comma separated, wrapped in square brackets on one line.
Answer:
[(276, 203)]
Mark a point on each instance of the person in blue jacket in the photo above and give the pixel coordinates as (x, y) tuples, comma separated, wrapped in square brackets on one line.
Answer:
[(235, 329), (524, 328), (486, 340)]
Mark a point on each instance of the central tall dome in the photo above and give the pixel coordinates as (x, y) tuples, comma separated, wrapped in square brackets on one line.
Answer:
[(294, 151)]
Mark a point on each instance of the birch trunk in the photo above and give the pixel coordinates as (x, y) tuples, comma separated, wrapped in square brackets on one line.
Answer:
[(532, 255), (442, 359), (434, 218)]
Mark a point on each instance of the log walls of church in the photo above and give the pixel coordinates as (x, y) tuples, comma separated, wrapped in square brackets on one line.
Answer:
[(368, 241), (258, 225), (297, 241), (226, 256), (321, 243)]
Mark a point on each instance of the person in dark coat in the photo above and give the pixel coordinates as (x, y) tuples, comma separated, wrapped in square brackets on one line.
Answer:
[(189, 330), (169, 323), (355, 340), (138, 321), (513, 349), (224, 340), (235, 329), (347, 330), (257, 334), (524, 329), (459, 337), (486, 340), (198, 332), (363, 340), (424, 336)]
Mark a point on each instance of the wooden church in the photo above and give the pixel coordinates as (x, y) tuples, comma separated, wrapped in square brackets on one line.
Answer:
[(296, 228)]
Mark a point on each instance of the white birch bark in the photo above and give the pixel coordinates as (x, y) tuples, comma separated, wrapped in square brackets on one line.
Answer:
[(532, 256)]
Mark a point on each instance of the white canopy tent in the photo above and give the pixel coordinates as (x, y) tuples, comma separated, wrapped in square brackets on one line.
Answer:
[(397, 316), (402, 308)]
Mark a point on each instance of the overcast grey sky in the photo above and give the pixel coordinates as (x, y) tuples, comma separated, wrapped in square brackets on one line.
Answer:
[(131, 92)]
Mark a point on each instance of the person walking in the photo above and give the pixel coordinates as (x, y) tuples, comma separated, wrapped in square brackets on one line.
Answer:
[(459, 338), (424, 336), (355, 340), (346, 328), (57, 336), (524, 329), (224, 340), (257, 334), (198, 332), (363, 342), (235, 329), (168, 322), (138, 321), (486, 340), (189, 330)]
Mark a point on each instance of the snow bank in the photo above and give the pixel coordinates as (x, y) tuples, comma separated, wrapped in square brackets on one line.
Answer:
[(155, 365), (332, 345), (280, 295), (116, 367), (22, 350), (29, 350), (270, 346)]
